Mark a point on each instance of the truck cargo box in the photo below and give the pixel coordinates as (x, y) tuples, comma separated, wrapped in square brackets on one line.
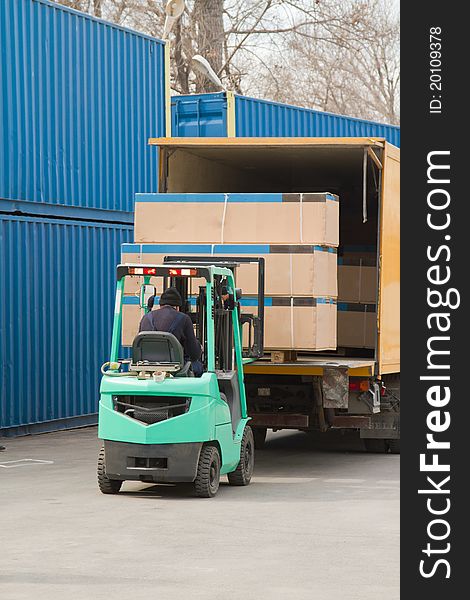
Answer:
[(363, 172)]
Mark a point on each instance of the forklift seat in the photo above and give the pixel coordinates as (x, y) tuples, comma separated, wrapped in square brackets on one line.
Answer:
[(159, 348)]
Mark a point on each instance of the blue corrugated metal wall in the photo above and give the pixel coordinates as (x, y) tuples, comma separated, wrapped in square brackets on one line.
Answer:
[(79, 99), (205, 115), (58, 282), (200, 115), (261, 118)]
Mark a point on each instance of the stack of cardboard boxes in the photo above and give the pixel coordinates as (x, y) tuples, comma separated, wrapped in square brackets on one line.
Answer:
[(357, 298), (297, 234)]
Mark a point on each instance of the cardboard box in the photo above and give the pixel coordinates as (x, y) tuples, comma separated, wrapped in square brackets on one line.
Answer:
[(131, 316), (357, 279), (357, 325), (290, 323), (290, 270), (132, 285), (301, 270), (308, 218), (301, 286), (296, 323)]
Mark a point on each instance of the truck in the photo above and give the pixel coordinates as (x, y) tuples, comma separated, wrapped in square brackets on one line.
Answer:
[(355, 388)]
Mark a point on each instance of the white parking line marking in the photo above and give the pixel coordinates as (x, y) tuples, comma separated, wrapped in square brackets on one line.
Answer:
[(24, 462)]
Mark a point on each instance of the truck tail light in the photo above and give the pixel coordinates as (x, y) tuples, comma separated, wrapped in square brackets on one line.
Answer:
[(361, 385)]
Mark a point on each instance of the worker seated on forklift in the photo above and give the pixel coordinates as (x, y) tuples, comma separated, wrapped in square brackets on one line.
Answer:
[(169, 318)]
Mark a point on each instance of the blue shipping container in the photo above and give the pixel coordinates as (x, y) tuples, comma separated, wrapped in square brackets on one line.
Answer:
[(79, 98), (58, 281), (225, 114)]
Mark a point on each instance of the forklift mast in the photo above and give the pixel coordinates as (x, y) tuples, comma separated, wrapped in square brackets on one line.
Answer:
[(255, 323)]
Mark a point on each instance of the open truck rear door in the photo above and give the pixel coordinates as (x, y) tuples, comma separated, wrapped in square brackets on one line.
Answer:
[(388, 314)]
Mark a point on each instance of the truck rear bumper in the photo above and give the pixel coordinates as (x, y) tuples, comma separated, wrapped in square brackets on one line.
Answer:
[(153, 463)]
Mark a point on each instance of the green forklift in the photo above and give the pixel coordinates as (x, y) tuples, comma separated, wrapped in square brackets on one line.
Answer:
[(158, 422)]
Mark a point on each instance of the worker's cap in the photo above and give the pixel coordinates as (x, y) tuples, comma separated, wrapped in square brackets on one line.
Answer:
[(172, 297)]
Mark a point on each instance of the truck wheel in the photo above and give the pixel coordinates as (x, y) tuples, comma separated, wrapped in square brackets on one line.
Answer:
[(394, 446), (244, 471), (106, 485), (207, 479), (376, 445), (259, 435)]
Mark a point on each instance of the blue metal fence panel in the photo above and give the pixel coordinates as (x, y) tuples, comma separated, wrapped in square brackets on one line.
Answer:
[(79, 98), (205, 115), (201, 115), (58, 280)]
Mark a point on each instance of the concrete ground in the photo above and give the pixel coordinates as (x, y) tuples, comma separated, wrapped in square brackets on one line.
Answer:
[(320, 520)]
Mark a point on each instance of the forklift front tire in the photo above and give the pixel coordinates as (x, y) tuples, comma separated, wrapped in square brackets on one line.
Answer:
[(207, 479), (244, 471), (106, 485)]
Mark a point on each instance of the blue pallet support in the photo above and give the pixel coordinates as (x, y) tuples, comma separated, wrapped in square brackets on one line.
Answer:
[(79, 98), (209, 115), (58, 282)]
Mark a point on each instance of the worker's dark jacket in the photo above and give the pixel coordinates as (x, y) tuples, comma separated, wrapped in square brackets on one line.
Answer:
[(179, 324)]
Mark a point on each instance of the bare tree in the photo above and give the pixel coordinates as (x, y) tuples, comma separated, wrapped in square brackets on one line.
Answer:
[(97, 8), (90, 6), (355, 68), (335, 55), (208, 16)]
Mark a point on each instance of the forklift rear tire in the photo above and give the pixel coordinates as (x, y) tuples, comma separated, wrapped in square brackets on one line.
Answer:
[(207, 479), (376, 445), (106, 485), (259, 434), (244, 471)]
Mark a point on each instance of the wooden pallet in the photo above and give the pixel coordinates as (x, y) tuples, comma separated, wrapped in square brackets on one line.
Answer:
[(283, 356)]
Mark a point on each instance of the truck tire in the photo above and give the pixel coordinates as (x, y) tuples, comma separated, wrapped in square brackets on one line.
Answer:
[(207, 479), (394, 446), (376, 445), (244, 471), (259, 435), (106, 485)]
